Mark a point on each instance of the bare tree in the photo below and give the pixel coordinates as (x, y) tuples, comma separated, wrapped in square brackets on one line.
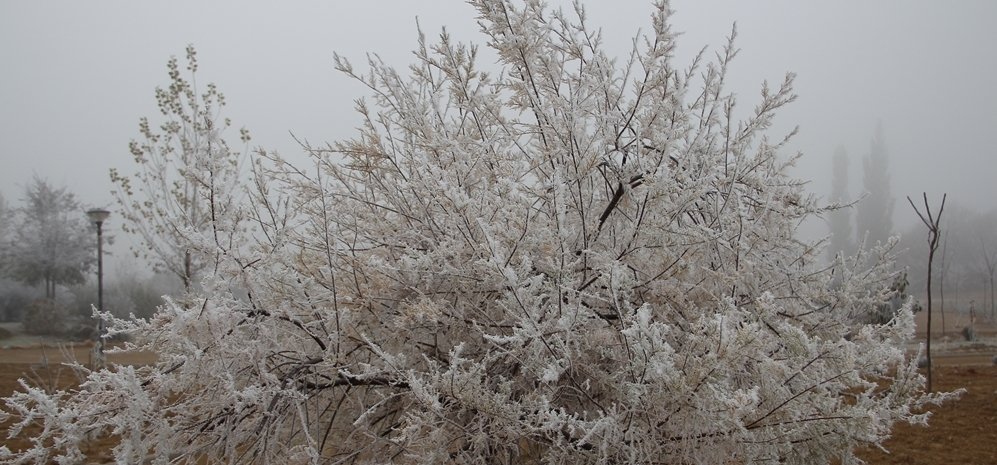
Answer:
[(962, 261), (934, 231)]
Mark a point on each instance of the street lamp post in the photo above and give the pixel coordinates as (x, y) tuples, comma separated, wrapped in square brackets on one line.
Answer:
[(97, 216)]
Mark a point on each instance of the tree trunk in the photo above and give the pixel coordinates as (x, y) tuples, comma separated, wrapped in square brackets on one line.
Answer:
[(931, 257), (187, 278)]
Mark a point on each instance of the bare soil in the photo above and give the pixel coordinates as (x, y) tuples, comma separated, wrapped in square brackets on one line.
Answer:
[(44, 366), (959, 432)]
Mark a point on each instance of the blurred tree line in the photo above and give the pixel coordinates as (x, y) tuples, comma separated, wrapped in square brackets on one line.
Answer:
[(967, 256), (48, 266), (967, 259)]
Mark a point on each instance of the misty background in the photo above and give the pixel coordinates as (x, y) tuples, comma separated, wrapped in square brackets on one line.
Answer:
[(78, 76)]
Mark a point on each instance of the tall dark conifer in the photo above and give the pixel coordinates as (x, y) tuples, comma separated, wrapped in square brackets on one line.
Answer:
[(875, 211)]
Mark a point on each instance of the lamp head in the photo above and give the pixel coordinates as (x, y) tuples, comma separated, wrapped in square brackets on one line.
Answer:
[(98, 215)]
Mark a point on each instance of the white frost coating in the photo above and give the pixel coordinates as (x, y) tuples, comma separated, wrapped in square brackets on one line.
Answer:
[(576, 261), (552, 372)]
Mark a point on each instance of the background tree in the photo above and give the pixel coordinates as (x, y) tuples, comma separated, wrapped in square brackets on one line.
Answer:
[(6, 231), (4, 219), (52, 242), (187, 176), (14, 296), (943, 273), (840, 219), (875, 212), (576, 260), (988, 257), (965, 261)]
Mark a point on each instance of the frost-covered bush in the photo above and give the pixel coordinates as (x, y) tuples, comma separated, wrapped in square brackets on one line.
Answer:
[(576, 260)]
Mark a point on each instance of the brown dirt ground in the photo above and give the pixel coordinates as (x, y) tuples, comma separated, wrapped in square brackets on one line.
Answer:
[(28, 363), (960, 432)]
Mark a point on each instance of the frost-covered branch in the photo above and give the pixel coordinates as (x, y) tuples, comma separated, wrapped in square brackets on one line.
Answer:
[(572, 261)]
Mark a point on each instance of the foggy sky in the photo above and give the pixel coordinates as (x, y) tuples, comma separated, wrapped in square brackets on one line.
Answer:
[(76, 77)]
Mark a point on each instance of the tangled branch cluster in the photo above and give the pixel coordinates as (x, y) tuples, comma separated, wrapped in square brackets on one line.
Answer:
[(578, 260)]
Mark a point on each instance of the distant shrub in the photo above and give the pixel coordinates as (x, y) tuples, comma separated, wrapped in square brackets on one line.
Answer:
[(14, 299), (5, 334), (45, 317), (969, 333), (82, 332), (124, 297), (146, 297), (886, 311)]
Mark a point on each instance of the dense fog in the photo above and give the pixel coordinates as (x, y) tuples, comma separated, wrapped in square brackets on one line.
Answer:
[(78, 76), (272, 233)]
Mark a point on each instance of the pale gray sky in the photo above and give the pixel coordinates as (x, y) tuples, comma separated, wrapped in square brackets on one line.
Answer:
[(76, 77)]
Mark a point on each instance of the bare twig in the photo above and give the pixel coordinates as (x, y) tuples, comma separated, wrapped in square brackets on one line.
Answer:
[(934, 231)]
